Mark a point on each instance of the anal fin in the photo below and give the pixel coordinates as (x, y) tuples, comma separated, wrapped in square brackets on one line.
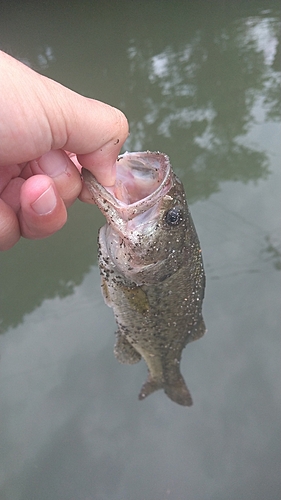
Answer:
[(124, 351)]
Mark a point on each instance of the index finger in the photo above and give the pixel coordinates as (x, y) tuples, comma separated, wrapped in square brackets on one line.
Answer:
[(96, 134)]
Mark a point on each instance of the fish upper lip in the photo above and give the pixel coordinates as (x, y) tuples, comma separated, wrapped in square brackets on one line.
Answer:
[(113, 207)]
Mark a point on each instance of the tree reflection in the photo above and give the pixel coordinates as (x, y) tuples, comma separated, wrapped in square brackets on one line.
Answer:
[(196, 99), (273, 252)]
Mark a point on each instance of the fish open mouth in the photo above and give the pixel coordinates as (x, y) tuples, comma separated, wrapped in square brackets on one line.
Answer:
[(141, 178), (138, 175)]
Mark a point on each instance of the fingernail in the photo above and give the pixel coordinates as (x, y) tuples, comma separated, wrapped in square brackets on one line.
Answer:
[(45, 203), (53, 163)]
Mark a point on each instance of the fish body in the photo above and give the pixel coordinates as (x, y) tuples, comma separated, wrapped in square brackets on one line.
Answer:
[(151, 268)]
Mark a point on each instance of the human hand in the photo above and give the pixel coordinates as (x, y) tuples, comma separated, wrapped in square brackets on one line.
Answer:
[(46, 132)]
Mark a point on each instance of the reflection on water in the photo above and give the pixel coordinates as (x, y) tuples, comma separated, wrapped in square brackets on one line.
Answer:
[(199, 81), (274, 253), (190, 88), (203, 92)]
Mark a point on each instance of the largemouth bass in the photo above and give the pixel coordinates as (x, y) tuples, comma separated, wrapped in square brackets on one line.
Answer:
[(151, 268)]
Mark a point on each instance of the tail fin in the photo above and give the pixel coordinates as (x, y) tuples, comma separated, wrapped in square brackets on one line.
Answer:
[(176, 391)]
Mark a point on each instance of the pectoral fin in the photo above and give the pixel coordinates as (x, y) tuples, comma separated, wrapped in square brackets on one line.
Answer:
[(137, 298)]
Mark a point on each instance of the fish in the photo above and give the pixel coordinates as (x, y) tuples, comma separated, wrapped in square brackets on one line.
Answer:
[(151, 268)]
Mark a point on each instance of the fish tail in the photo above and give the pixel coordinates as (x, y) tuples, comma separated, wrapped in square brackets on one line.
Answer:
[(175, 390), (151, 385), (178, 392)]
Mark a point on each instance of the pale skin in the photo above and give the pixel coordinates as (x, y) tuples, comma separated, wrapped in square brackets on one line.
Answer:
[(47, 132)]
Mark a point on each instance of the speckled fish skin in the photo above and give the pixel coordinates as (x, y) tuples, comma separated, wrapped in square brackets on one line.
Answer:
[(151, 268)]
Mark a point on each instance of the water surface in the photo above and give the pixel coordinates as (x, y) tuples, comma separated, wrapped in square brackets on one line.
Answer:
[(199, 81)]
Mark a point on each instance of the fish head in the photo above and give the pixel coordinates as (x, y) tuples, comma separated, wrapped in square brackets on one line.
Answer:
[(148, 222)]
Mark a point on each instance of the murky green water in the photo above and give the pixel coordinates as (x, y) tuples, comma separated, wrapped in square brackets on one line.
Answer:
[(201, 82)]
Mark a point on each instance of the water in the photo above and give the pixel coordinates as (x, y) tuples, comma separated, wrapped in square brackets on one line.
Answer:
[(201, 82)]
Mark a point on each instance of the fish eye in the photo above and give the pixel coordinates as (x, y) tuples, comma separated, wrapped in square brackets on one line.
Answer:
[(174, 216)]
